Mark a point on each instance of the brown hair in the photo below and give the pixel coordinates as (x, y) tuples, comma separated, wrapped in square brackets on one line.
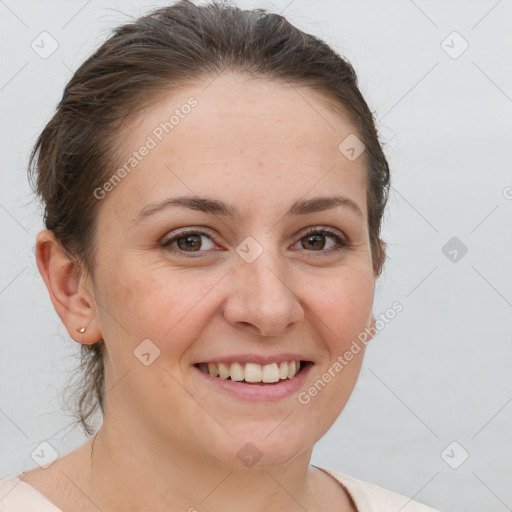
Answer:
[(156, 54)]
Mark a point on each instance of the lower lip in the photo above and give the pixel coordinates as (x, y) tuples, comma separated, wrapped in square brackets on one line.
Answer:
[(246, 391)]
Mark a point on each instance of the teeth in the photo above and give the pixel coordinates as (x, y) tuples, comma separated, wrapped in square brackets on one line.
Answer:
[(270, 373), (236, 372), (252, 372), (283, 370), (213, 369), (223, 371)]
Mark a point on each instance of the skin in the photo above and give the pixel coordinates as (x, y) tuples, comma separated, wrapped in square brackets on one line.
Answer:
[(168, 441)]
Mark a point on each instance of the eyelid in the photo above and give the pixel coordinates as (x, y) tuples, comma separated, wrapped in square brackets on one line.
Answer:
[(323, 230), (193, 230)]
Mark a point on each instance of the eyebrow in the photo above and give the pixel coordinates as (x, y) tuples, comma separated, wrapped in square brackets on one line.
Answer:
[(216, 207)]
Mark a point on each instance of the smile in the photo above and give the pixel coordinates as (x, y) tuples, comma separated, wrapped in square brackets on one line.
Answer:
[(248, 381), (253, 372)]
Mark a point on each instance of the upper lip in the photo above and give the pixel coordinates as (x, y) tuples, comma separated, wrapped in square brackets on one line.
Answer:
[(256, 358)]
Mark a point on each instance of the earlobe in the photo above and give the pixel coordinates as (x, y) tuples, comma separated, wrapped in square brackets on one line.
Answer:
[(371, 328), (372, 324), (72, 301)]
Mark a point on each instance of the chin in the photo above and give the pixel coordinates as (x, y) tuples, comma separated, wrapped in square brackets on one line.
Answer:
[(264, 448)]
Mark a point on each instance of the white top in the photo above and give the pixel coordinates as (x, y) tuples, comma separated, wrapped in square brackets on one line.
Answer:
[(18, 496)]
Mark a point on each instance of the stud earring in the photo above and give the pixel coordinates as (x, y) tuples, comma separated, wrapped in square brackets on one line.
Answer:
[(81, 330)]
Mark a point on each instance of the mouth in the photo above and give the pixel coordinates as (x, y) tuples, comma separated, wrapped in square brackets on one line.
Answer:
[(253, 373)]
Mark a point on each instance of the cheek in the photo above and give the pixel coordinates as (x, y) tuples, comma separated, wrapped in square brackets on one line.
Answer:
[(343, 310), (344, 303), (157, 304)]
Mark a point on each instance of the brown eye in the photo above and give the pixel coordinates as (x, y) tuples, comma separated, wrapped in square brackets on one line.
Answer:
[(317, 240), (189, 242), (193, 241)]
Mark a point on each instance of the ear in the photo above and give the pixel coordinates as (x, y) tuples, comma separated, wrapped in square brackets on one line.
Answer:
[(371, 329), (68, 291)]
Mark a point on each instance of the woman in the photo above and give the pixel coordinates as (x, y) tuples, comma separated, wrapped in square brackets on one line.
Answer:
[(214, 187)]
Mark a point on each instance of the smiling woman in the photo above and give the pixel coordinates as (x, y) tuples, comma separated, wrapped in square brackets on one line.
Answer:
[(219, 279)]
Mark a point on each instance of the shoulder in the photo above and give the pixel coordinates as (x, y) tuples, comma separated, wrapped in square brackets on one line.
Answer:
[(18, 496), (50, 489), (369, 497)]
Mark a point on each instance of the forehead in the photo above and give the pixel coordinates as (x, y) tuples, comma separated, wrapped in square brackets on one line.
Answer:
[(232, 131)]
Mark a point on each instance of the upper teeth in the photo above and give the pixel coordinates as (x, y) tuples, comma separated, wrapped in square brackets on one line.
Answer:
[(252, 372)]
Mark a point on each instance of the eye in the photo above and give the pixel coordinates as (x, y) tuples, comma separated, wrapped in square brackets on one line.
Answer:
[(189, 241), (314, 240)]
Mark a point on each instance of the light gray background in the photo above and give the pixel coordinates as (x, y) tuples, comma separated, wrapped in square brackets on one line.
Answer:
[(440, 371)]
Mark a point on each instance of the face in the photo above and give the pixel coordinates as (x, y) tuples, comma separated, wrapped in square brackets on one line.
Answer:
[(270, 276)]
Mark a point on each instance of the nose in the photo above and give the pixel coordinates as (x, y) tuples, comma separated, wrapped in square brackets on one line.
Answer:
[(261, 299)]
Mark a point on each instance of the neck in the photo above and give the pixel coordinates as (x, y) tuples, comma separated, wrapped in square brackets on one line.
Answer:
[(130, 474)]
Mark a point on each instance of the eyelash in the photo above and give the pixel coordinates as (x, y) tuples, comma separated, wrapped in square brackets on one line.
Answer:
[(341, 242)]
